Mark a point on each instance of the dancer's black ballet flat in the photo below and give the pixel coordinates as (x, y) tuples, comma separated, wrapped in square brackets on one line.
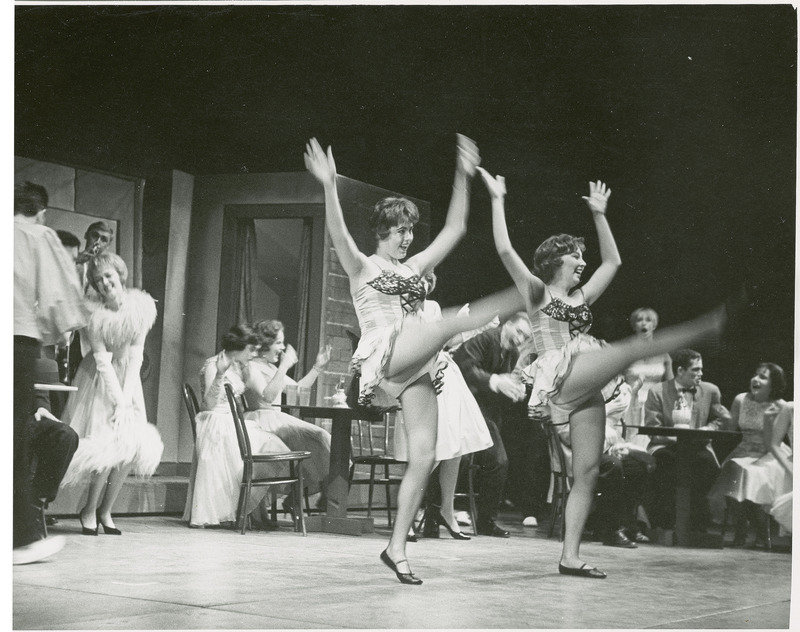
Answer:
[(405, 578), (85, 531), (456, 535), (583, 571), (108, 530)]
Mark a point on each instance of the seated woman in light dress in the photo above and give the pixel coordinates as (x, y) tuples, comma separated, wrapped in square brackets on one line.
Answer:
[(781, 509), (213, 493), (751, 476), (644, 374), (266, 380)]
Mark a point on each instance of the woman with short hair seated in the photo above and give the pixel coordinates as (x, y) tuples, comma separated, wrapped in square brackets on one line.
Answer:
[(217, 467), (267, 380), (751, 476)]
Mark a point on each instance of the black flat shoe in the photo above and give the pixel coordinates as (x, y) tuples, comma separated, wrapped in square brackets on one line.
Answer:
[(583, 571), (493, 530), (440, 521), (620, 540), (411, 537), (85, 531), (405, 578)]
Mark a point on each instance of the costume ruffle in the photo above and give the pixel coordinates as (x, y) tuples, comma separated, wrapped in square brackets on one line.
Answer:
[(369, 363), (781, 510), (548, 372)]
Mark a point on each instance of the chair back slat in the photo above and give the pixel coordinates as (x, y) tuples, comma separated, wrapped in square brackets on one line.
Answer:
[(192, 407), (237, 412)]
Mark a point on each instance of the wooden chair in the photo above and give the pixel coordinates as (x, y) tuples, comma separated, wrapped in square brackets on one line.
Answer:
[(559, 478), (370, 447), (192, 407), (249, 480), (470, 494)]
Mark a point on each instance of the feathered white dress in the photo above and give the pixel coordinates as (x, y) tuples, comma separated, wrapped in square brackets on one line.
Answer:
[(114, 435)]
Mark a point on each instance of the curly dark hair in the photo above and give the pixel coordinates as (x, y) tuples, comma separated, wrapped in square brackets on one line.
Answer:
[(777, 376), (29, 198), (547, 258), (389, 212), (238, 337)]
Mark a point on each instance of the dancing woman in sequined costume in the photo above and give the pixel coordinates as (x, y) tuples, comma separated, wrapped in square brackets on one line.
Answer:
[(396, 352), (574, 373)]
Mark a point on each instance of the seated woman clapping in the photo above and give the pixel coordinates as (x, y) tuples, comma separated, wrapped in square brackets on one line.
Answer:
[(266, 381), (213, 492)]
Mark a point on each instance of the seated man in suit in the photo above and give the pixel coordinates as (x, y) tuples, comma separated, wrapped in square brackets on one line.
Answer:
[(684, 400), (487, 363)]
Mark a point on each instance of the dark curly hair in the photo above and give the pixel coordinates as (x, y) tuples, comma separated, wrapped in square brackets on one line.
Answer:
[(238, 337), (777, 376), (547, 258), (29, 198), (389, 212)]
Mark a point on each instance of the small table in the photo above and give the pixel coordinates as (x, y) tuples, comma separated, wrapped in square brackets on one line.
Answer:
[(335, 519), (686, 439)]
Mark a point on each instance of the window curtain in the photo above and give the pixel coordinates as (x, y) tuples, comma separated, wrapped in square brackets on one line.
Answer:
[(246, 267), (304, 282)]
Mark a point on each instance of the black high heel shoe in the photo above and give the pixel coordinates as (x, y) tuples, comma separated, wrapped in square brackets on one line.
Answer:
[(85, 531), (405, 578), (108, 530), (456, 535)]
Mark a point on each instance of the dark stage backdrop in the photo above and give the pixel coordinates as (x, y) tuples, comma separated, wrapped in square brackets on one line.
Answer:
[(688, 112)]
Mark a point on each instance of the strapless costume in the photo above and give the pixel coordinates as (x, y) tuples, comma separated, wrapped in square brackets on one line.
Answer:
[(559, 333), (383, 306)]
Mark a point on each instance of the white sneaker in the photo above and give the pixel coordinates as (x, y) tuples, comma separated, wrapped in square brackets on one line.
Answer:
[(530, 521), (38, 550), (463, 519)]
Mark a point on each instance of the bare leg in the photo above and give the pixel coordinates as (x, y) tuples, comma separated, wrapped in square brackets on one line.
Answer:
[(89, 512), (448, 476), (417, 342), (420, 415), (587, 433), (115, 482), (591, 370)]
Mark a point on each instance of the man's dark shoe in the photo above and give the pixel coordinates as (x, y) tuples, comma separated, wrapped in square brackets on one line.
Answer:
[(636, 535), (619, 539), (490, 528)]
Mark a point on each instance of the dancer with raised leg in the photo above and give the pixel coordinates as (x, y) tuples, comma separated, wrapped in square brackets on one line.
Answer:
[(573, 369), (396, 352)]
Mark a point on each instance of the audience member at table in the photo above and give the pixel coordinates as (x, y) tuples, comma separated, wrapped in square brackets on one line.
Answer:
[(686, 401), (644, 374), (217, 467), (783, 427), (266, 382), (755, 473), (487, 362), (625, 469)]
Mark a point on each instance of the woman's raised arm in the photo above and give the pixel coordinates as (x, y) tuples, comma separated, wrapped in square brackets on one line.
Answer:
[(528, 284), (597, 201), (455, 226), (321, 165)]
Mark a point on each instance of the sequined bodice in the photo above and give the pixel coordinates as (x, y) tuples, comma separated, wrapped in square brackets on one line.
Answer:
[(557, 322), (751, 423), (387, 298)]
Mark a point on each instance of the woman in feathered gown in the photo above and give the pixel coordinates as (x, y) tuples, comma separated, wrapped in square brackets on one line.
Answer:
[(751, 477), (108, 411), (574, 373)]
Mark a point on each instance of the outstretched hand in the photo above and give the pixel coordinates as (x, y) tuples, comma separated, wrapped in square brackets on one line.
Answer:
[(323, 357), (496, 186), (467, 156), (597, 200), (319, 163)]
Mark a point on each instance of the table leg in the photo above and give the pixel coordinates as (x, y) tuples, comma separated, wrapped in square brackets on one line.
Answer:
[(335, 519), (683, 491)]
